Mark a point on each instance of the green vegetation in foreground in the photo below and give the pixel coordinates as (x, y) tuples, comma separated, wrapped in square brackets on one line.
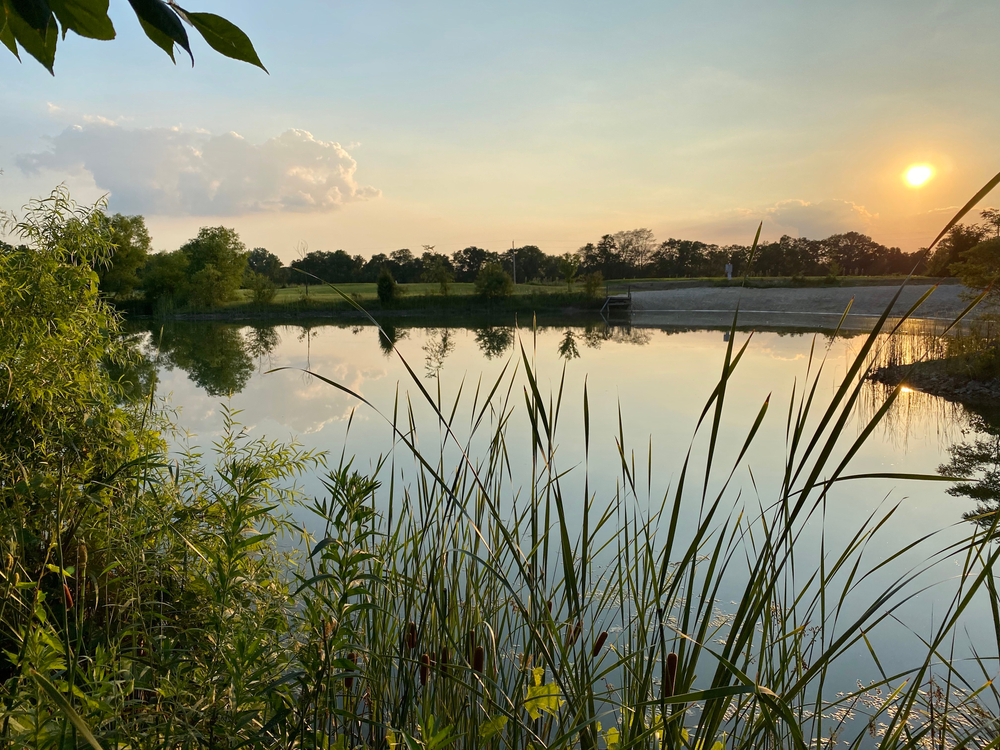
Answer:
[(147, 603)]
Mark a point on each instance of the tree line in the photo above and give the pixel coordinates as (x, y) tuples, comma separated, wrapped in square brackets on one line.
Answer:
[(211, 268)]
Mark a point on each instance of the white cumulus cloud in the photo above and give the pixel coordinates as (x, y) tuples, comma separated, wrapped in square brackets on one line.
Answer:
[(176, 172)]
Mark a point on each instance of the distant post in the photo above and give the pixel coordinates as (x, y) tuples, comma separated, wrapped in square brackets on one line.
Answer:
[(729, 271)]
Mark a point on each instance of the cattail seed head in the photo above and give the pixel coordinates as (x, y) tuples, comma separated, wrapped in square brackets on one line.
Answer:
[(69, 597), (444, 659), (425, 668), (470, 646), (327, 628), (83, 554), (479, 659), (671, 680), (599, 643), (349, 681), (411, 636)]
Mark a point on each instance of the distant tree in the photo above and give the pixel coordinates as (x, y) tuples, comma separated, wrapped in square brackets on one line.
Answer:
[(165, 278), (979, 267), (217, 260), (962, 237), (493, 282), (406, 268), (634, 248), (437, 270), (470, 261), (325, 267), (120, 276), (530, 263), (569, 264), (267, 264), (386, 288), (992, 218)]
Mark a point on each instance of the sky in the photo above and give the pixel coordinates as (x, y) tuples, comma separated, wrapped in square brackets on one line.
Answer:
[(384, 125)]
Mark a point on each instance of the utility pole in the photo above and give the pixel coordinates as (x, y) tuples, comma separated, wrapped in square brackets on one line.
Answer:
[(513, 256)]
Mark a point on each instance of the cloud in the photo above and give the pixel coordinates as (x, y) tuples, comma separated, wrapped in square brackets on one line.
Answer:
[(177, 172), (804, 219)]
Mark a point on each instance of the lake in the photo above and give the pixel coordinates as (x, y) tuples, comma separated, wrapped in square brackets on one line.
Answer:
[(646, 386)]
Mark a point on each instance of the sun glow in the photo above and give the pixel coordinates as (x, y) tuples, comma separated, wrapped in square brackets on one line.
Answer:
[(918, 175)]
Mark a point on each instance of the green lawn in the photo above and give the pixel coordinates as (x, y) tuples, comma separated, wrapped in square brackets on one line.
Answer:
[(366, 291)]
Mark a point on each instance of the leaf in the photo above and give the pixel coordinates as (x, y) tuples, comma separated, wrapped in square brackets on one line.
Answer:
[(391, 740), (161, 23), (225, 37), (41, 48), (612, 738), (66, 708), (160, 39), (491, 728), (543, 698), (35, 13), (7, 37), (88, 18)]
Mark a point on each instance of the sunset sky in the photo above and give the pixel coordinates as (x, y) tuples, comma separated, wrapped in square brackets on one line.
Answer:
[(398, 124)]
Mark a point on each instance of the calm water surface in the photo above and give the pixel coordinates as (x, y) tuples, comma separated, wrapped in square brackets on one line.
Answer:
[(656, 379)]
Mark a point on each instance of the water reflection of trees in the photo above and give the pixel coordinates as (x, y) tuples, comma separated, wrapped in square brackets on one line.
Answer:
[(978, 462), (388, 337), (439, 344), (567, 347), (218, 357), (494, 340)]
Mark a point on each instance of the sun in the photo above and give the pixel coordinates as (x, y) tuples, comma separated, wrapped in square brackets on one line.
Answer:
[(918, 175)]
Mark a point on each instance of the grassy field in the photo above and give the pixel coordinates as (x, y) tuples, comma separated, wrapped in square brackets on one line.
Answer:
[(366, 291)]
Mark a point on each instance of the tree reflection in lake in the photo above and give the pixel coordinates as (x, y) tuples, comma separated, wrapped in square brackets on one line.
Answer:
[(567, 347), (978, 462), (388, 337), (438, 346), (494, 340)]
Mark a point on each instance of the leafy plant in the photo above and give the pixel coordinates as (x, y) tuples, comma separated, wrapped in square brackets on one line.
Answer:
[(36, 26)]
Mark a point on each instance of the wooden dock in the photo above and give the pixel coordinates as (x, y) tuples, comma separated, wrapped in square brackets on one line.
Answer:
[(617, 303)]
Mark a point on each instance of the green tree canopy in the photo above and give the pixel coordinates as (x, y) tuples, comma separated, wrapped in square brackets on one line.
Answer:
[(119, 277), (217, 260)]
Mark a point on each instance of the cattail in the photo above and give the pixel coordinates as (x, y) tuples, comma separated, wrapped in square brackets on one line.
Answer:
[(69, 597), (550, 606), (671, 680), (479, 659), (444, 659), (470, 646), (411, 636), (425, 668), (327, 629), (82, 554), (599, 643), (349, 680)]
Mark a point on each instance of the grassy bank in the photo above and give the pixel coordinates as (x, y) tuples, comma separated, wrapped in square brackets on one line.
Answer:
[(462, 299), (416, 299)]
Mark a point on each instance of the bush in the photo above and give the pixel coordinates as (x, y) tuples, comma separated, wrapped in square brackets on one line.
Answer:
[(262, 289), (593, 284), (493, 282), (388, 289)]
